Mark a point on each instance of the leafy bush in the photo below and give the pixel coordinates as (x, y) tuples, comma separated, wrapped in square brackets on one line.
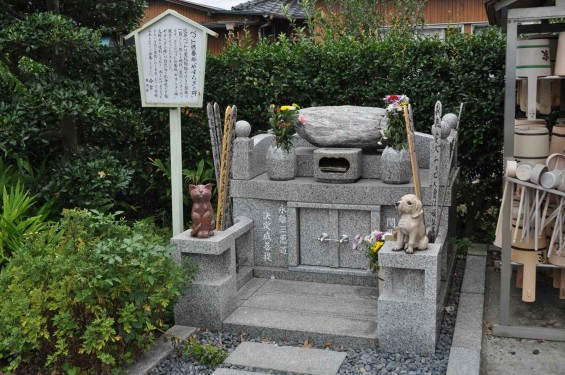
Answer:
[(19, 220), (92, 301), (95, 179), (205, 354), (21, 215)]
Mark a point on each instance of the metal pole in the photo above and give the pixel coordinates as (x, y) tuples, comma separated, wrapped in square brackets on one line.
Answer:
[(176, 170)]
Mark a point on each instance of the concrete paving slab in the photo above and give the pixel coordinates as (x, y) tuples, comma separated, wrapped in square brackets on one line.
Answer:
[(513, 356), (287, 358), (474, 278), (162, 348), (229, 371), (469, 326), (313, 304), (464, 361)]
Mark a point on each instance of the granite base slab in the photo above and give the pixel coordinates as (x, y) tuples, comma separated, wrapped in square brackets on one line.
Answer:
[(318, 275), (207, 304), (411, 304), (296, 311)]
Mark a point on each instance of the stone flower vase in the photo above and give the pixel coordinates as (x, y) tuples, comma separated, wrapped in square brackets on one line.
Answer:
[(396, 167), (281, 164)]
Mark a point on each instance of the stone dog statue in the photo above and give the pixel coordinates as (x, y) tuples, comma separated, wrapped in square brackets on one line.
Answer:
[(411, 229)]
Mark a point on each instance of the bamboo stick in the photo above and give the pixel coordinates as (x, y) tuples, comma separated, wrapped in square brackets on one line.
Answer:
[(412, 152), (222, 184)]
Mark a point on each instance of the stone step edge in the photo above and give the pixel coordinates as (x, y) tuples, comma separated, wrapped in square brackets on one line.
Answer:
[(244, 275), (160, 350), (467, 360), (316, 338), (237, 371)]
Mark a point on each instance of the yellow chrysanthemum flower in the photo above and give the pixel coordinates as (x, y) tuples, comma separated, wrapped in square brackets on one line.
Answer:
[(377, 246)]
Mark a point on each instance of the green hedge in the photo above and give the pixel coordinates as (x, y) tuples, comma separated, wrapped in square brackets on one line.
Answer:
[(463, 68)]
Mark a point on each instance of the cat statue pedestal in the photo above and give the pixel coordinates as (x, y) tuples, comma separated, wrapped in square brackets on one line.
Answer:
[(212, 295)]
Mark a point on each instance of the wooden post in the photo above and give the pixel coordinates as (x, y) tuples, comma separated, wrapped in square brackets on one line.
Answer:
[(224, 170), (176, 170), (413, 159)]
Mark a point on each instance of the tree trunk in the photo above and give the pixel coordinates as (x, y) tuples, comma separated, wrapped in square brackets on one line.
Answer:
[(68, 132), (53, 6), (69, 135)]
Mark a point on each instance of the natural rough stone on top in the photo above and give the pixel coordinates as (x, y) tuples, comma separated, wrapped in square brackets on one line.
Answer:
[(342, 126), (286, 358)]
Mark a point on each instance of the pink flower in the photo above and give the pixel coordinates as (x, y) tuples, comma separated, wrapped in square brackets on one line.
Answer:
[(302, 119)]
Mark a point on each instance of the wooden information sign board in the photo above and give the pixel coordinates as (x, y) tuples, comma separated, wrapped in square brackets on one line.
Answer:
[(171, 61)]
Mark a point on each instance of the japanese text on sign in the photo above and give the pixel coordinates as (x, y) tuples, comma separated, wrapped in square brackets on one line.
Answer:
[(172, 62)]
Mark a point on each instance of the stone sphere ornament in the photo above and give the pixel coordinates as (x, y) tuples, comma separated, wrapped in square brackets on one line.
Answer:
[(242, 129), (451, 119), (445, 129)]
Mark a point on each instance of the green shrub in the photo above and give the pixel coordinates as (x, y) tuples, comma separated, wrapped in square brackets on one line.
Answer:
[(91, 301), (19, 220), (95, 179), (205, 354)]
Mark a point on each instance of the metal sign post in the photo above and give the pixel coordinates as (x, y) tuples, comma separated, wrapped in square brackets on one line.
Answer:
[(176, 170), (171, 60)]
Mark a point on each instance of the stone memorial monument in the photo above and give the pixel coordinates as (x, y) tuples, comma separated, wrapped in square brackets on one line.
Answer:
[(300, 229)]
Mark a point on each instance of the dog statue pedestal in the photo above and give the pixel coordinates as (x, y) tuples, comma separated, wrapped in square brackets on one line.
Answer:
[(409, 306)]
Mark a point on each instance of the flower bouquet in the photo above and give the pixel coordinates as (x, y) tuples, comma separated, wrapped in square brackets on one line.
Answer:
[(283, 122), (370, 245), (395, 133)]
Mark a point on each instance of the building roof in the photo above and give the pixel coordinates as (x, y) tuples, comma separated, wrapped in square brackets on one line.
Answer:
[(272, 8), (494, 8), (212, 4)]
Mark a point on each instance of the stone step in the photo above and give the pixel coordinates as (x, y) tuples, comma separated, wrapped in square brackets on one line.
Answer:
[(295, 311), (229, 371), (244, 274), (318, 274), (286, 358), (246, 291)]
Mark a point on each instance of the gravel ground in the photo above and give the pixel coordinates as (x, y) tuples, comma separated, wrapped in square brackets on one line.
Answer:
[(367, 361)]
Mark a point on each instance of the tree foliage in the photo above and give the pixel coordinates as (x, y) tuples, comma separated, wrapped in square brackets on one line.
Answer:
[(72, 103)]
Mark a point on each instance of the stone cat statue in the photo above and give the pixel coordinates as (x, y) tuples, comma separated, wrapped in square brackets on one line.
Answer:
[(202, 213)]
